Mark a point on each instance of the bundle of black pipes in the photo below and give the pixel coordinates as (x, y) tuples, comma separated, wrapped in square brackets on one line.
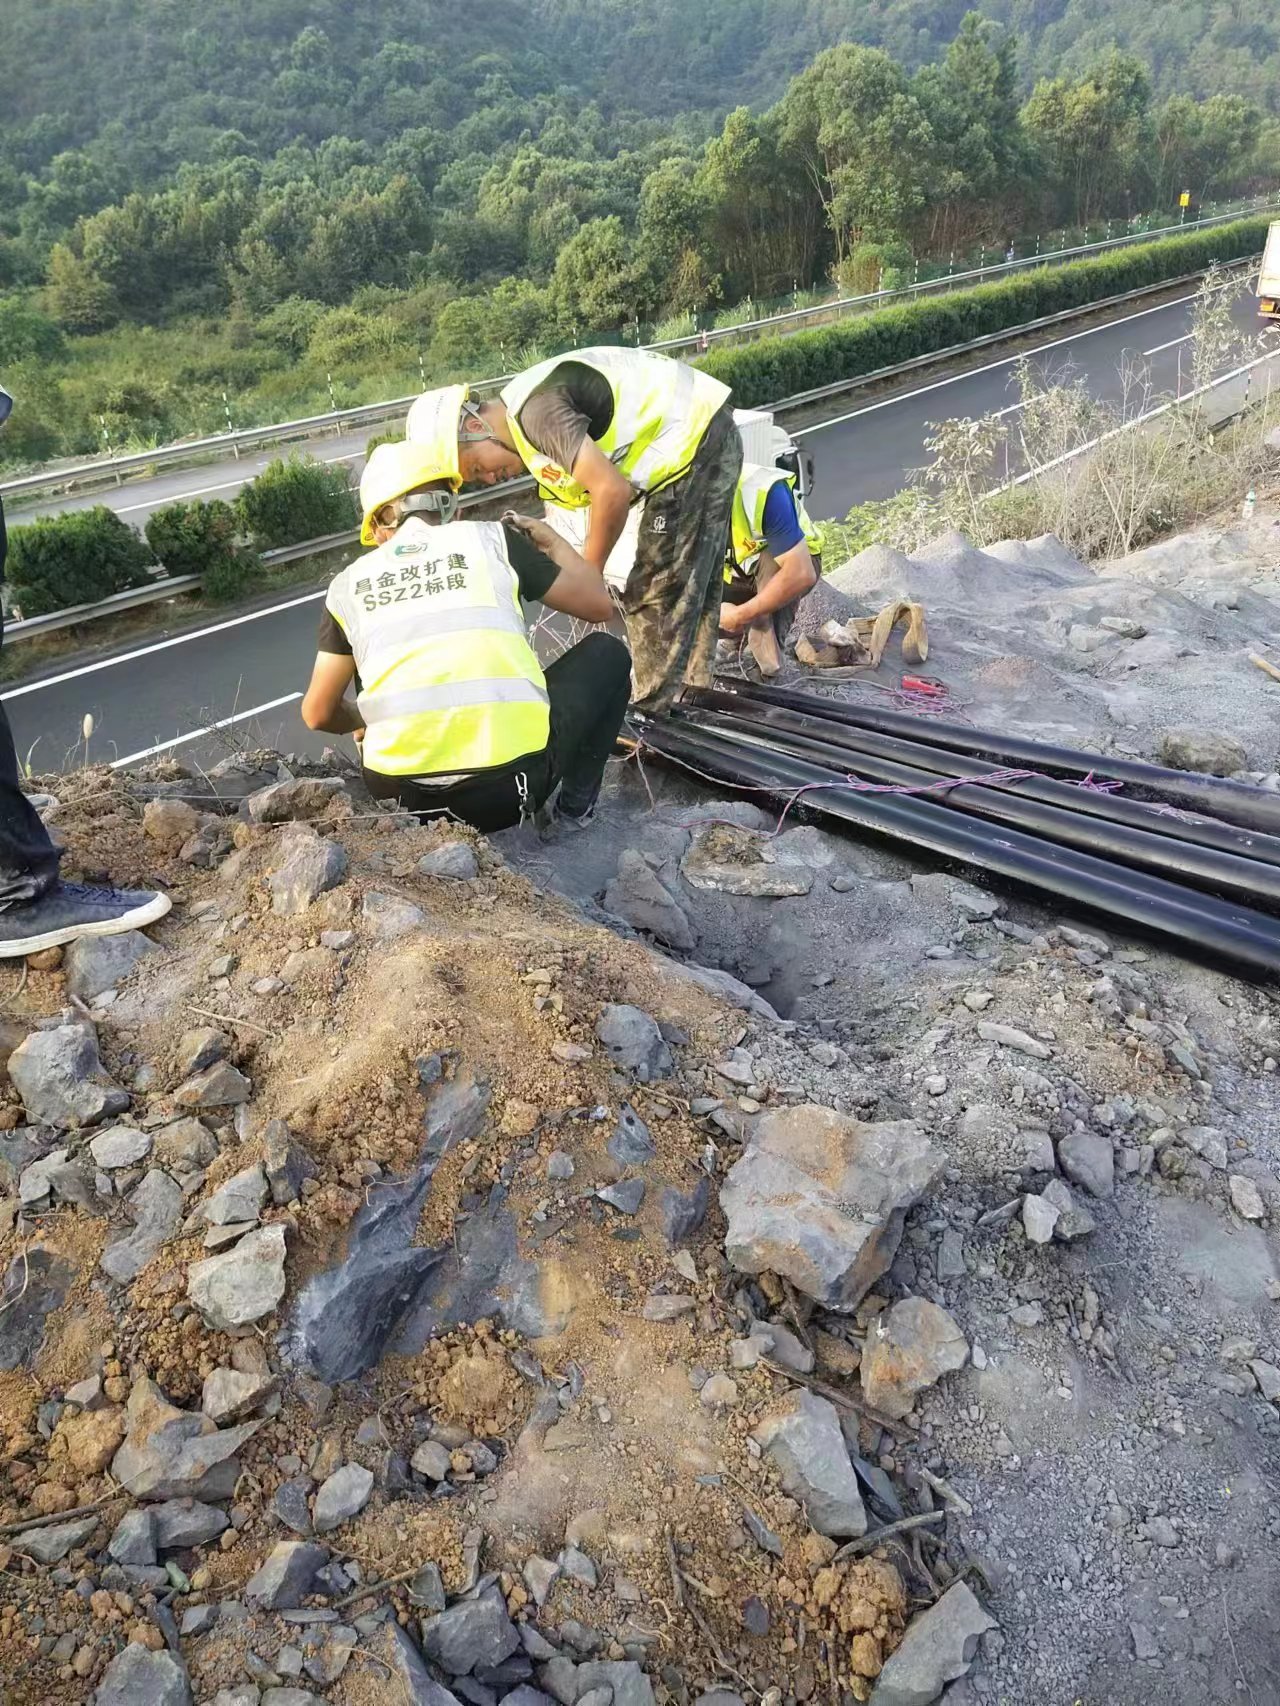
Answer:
[(738, 751)]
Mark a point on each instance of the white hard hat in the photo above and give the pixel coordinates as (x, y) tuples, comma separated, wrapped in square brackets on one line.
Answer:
[(433, 425)]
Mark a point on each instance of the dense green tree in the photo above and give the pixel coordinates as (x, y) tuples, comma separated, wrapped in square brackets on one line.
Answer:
[(1094, 134)]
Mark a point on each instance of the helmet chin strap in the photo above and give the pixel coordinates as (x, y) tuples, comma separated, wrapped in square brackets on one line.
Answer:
[(472, 426)]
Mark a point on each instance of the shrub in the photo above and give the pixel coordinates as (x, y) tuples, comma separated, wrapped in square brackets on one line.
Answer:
[(295, 500), (202, 539), (392, 437), (26, 334), (76, 558), (777, 367)]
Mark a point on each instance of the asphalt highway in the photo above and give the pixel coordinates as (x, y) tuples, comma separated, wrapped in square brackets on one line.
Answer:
[(202, 693)]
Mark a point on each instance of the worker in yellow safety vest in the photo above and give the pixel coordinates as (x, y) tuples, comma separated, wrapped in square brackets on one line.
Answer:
[(775, 558), (454, 714), (604, 429)]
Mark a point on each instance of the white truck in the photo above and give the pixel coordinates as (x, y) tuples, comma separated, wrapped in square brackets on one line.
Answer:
[(1269, 277), (763, 442)]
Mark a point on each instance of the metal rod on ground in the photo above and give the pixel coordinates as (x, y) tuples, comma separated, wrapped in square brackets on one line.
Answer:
[(1234, 801), (1178, 860), (1094, 802), (1115, 808), (1188, 920), (1165, 891)]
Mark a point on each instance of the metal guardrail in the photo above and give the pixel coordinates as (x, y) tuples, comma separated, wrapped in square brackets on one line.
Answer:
[(174, 586), (371, 414)]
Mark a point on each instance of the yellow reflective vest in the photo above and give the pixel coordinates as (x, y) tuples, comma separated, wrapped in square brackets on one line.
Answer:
[(661, 409), (749, 500), (449, 681)]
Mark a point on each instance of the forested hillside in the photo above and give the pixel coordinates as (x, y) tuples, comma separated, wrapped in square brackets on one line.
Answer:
[(284, 201)]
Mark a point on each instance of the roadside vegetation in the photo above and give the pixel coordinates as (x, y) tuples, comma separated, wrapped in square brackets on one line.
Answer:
[(327, 215)]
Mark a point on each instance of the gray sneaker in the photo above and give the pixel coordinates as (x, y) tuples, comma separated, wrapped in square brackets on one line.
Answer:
[(71, 910)]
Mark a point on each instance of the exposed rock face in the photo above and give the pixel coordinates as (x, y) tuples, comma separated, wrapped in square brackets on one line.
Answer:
[(638, 897), (173, 1454), (819, 1197)]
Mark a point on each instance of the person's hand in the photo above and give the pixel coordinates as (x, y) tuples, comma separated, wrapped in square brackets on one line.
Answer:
[(539, 533), (732, 620)]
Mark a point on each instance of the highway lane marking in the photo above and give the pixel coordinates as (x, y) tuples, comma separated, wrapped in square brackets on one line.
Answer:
[(226, 486), (1170, 345), (222, 723), (161, 646), (991, 367)]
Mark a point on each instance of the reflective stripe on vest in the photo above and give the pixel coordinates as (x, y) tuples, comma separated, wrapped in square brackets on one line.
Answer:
[(450, 682), (749, 503), (661, 411)]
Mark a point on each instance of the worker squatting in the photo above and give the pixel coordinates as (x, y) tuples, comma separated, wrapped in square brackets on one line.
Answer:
[(454, 713)]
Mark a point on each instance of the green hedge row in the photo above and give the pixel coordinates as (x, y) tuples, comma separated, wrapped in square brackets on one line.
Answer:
[(84, 556), (777, 367)]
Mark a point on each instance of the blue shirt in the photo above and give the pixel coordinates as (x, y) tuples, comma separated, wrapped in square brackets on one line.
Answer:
[(782, 529)]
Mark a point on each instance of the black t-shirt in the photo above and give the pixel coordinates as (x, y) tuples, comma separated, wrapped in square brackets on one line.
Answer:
[(534, 570)]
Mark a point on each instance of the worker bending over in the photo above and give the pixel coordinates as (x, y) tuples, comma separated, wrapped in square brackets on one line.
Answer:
[(454, 713), (603, 429), (775, 558)]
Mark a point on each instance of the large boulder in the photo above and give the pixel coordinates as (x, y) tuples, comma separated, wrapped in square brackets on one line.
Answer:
[(908, 1348), (803, 1437), (820, 1197), (61, 1079)]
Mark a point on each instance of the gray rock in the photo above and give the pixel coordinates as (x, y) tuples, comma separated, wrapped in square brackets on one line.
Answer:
[(87, 1393), (389, 917), (343, 1496), (175, 1454), (1008, 1036), (560, 1166), (36, 1183), (139, 1677), (626, 1196), (783, 1346), (1039, 1217), (308, 866), (120, 1146), (291, 1507), (199, 1048), (637, 897), (908, 1349), (455, 861), (230, 1396), (1088, 1160), (578, 1567), (526, 1695), (51, 1544), (659, 1306), (472, 1632), (1202, 750), (240, 1199), (182, 1523), (631, 1687), (417, 1686), (61, 1079), (631, 1142), (35, 1284), (1246, 1198), (299, 799), (540, 1576), (284, 1579), (134, 1540), (939, 1647), (431, 1460), (156, 1208), (185, 1146), (426, 1589), (634, 1043), (803, 1438), (242, 1284), (95, 964), (218, 1086), (291, 1697), (683, 1212), (740, 863), (820, 1197), (1074, 1220), (286, 1164), (198, 1620)]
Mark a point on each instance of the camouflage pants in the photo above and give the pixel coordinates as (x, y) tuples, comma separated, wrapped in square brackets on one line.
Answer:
[(672, 597)]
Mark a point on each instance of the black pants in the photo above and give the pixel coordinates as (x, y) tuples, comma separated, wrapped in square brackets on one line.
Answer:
[(588, 687), (28, 859)]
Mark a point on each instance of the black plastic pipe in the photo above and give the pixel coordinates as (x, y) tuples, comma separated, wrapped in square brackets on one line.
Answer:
[(1184, 919), (1221, 873), (1234, 801), (1177, 824)]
